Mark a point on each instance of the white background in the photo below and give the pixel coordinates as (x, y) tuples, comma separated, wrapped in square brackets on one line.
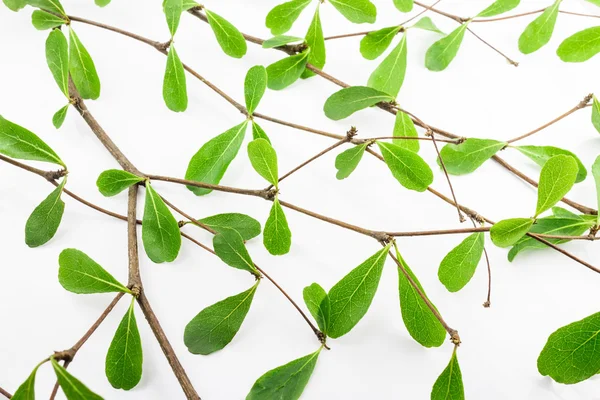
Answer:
[(479, 95)]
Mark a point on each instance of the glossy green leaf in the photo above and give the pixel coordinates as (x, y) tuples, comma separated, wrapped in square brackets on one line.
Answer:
[(188, 4), (43, 20), (246, 226), (442, 52), (595, 2), (375, 43), (160, 231), (102, 3), (346, 102), (59, 117), (230, 39), (556, 179), (581, 46), (316, 42), (539, 31), (57, 57), (229, 247), (18, 142), (27, 389), (281, 18), (82, 68), (508, 231), (357, 11), (258, 132), (449, 385), (404, 5), (211, 161), (498, 7), (347, 161), (264, 160), (406, 166), (113, 181), (280, 40), (405, 127), (45, 219), (216, 326), (287, 71), (71, 386), (15, 5), (458, 267), (596, 175), (541, 154), (255, 85), (427, 24), (78, 273), (277, 236), (174, 83), (389, 75), (48, 5), (466, 157), (173, 10), (317, 302), (596, 114)]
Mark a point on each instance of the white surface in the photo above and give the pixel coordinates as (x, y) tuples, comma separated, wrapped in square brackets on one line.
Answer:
[(478, 95)]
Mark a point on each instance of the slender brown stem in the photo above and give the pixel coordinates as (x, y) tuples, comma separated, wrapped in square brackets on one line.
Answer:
[(488, 302), (429, 139), (507, 58), (5, 393), (135, 280), (441, 232), (420, 13), (297, 126), (445, 14), (347, 35), (248, 192)]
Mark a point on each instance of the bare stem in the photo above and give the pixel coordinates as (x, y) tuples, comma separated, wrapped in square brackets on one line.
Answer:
[(510, 61)]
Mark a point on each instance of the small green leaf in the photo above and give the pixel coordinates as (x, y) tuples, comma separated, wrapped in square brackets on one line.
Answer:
[(316, 42), (357, 11), (82, 68), (466, 157), (27, 389), (113, 181), (449, 385), (541, 154), (264, 160), (18, 142), (317, 301), (59, 117), (281, 18), (15, 5), (229, 247), (508, 231), (230, 39), (375, 43), (102, 3), (405, 127), (255, 86), (404, 5), (173, 10), (188, 5), (287, 71), (442, 52), (43, 20), (71, 386), (211, 161), (160, 231), (556, 179), (581, 46), (346, 102), (280, 40), (347, 161), (596, 175), (246, 226), (539, 31), (124, 358), (458, 267), (258, 132), (427, 24), (277, 236), (351, 297), (45, 219), (498, 7), (596, 114), (406, 166), (174, 83), (57, 57), (389, 75), (78, 273), (216, 326), (48, 5), (595, 2)]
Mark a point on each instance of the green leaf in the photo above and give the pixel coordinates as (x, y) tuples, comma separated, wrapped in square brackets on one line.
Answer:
[(441, 53), (71, 386), (316, 42), (246, 226), (596, 175), (43, 20), (264, 160), (347, 161), (357, 11), (556, 179), (255, 86), (572, 353), (15, 5), (404, 5), (173, 10), (346, 102), (280, 40), (45, 219), (508, 231), (216, 326), (82, 68), (125, 357), (449, 385), (160, 231), (375, 43), (258, 132), (78, 273), (427, 24), (389, 75), (317, 301), (595, 2), (59, 117), (405, 127), (211, 161), (581, 46), (174, 83), (113, 181), (57, 57), (27, 389), (281, 18), (18, 142), (596, 114), (277, 236), (48, 5), (351, 297), (539, 31), (541, 154), (188, 4), (285, 382), (229, 247), (499, 7), (406, 166), (466, 157), (230, 39), (102, 3), (458, 267), (283, 73)]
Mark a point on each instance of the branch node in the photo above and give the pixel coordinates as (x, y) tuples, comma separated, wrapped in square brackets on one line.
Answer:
[(181, 223), (487, 304), (51, 176), (162, 46), (351, 133), (322, 338), (382, 237), (269, 194), (583, 103), (65, 355), (135, 290), (454, 338)]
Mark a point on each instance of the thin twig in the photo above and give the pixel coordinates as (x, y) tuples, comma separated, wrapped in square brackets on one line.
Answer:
[(507, 58), (5, 393)]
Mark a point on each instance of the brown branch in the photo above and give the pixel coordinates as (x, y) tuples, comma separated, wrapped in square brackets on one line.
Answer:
[(507, 58), (248, 192), (5, 393)]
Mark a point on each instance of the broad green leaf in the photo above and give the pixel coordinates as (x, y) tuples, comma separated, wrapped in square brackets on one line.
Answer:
[(347, 161), (539, 31), (15, 5), (351, 297), (281, 18), (499, 7), (280, 40), (316, 42), (441, 53), (229, 247), (357, 11), (59, 117), (43, 20), (45, 219), (581, 46), (406, 166), (113, 181), (375, 43), (82, 68), (71, 386), (389, 75), (595, 2), (596, 174), (173, 10), (405, 127), (287, 71), (346, 102), (18, 142), (560, 212), (124, 358), (556, 179), (285, 382), (277, 236), (596, 114), (541, 154), (211, 161), (404, 5), (508, 231), (466, 157), (449, 385), (160, 231), (255, 85), (102, 3), (216, 326), (57, 57), (258, 132), (264, 160), (48, 5), (174, 83), (78, 273), (246, 226), (230, 39), (572, 353), (27, 389), (427, 24), (317, 301), (458, 267)]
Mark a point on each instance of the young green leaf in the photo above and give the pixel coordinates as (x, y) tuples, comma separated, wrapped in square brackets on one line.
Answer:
[(82, 68), (173, 10), (572, 353), (375, 43), (498, 7), (280, 40), (595, 2), (216, 326), (285, 382), (102, 3), (43, 20), (124, 358), (508, 231), (427, 24), (281, 18), (347, 161), (71, 386), (48, 5), (466, 157), (246, 226), (27, 389), (442, 52), (351, 297), (255, 85), (258, 132), (18, 142), (160, 231), (404, 127), (404, 5), (59, 117), (458, 267), (539, 31), (211, 161), (316, 42), (317, 301), (188, 5), (346, 102), (389, 75), (230, 39), (581, 46), (264, 160), (277, 236), (229, 247), (596, 174), (174, 83), (541, 154), (15, 5), (113, 181), (449, 385), (45, 219), (357, 11), (406, 166), (596, 114), (57, 57), (283, 73), (78, 273), (556, 179)]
